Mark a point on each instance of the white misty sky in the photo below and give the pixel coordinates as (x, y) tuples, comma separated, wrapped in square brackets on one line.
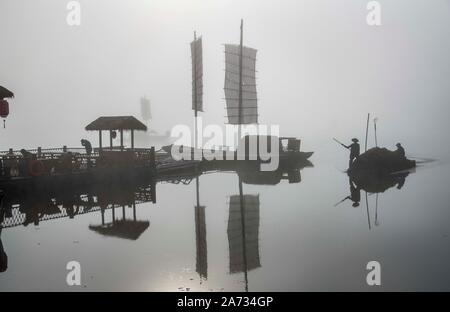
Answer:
[(320, 67)]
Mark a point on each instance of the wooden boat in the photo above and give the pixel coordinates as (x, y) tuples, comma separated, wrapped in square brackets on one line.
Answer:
[(381, 160), (288, 153), (241, 100)]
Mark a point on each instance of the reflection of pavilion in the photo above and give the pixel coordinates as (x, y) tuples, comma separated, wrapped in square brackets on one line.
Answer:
[(16, 209), (128, 229), (38, 207)]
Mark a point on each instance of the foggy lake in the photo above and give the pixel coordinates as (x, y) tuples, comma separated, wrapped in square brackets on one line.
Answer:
[(319, 71)]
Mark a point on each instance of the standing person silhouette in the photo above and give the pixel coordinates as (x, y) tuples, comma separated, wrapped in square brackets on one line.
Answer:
[(354, 151)]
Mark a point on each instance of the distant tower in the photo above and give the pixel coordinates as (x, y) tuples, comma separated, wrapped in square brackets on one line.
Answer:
[(146, 112)]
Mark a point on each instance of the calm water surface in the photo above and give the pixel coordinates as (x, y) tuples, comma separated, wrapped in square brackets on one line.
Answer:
[(298, 240)]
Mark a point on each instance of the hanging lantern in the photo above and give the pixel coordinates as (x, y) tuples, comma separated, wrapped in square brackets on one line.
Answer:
[(4, 110), (114, 134)]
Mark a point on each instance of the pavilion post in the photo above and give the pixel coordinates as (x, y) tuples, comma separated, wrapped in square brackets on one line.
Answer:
[(100, 139), (110, 139), (103, 216), (121, 139), (132, 139)]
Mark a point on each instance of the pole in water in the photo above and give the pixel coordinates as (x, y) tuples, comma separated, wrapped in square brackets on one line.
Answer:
[(375, 129), (368, 214), (367, 132)]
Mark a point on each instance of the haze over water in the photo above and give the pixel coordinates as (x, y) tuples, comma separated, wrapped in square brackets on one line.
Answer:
[(321, 69)]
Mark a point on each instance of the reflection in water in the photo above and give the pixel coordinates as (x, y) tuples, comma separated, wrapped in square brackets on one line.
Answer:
[(243, 233), (243, 220), (200, 237), (33, 208), (373, 183)]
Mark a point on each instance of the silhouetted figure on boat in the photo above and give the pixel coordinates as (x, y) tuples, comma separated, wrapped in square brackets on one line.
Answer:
[(400, 150), (354, 150), (87, 145)]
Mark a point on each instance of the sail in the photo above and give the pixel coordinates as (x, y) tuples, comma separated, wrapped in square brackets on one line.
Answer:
[(249, 108), (197, 74), (145, 109), (241, 261)]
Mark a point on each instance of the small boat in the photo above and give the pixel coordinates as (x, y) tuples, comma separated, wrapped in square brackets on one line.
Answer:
[(381, 160), (288, 152)]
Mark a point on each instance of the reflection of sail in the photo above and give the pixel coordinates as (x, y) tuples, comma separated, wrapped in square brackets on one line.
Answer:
[(247, 217), (202, 249), (234, 73), (200, 237)]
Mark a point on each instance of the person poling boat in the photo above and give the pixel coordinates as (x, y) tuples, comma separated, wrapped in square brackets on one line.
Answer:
[(354, 150)]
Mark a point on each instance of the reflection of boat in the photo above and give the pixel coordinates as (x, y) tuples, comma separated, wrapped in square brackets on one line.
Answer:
[(381, 160), (379, 182), (269, 177), (374, 182)]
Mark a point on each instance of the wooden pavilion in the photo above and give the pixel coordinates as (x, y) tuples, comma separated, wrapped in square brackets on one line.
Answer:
[(113, 123)]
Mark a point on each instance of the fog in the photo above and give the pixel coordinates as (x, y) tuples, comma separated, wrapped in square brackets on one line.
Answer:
[(321, 68)]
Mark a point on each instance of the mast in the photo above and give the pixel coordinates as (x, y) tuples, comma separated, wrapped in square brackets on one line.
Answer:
[(244, 239), (197, 81), (195, 95), (240, 78), (240, 82)]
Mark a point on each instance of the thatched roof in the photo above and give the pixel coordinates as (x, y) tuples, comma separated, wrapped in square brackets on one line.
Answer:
[(122, 228), (5, 93), (116, 123)]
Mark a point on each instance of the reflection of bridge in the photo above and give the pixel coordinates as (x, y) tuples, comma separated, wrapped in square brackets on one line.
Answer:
[(38, 208)]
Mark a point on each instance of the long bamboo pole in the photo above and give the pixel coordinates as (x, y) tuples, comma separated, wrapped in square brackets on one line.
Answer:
[(240, 78), (367, 132)]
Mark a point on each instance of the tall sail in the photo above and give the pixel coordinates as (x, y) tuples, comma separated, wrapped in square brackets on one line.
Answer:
[(240, 71), (243, 233), (145, 109), (197, 74)]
